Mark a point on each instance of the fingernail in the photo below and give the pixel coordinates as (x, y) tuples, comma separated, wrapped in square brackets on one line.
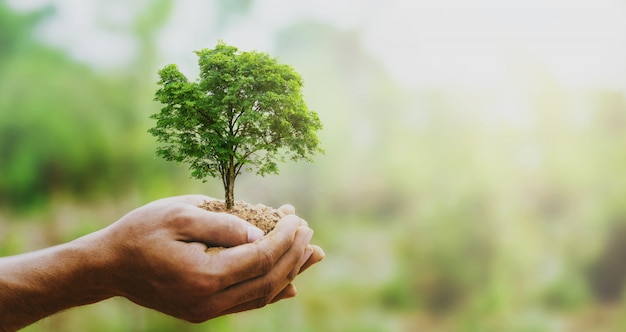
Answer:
[(287, 209), (307, 254), (254, 233), (321, 252), (293, 293), (309, 235)]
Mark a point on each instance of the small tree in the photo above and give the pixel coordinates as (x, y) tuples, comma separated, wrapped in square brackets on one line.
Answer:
[(245, 112)]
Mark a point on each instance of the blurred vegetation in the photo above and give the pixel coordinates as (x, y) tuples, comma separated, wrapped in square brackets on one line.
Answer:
[(435, 214), (63, 127)]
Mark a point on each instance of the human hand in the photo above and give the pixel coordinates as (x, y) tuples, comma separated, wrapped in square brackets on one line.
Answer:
[(317, 255), (158, 258)]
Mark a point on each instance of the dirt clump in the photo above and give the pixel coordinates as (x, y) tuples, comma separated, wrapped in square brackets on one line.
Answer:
[(261, 216)]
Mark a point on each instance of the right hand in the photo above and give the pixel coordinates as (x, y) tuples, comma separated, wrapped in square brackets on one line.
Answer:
[(158, 258)]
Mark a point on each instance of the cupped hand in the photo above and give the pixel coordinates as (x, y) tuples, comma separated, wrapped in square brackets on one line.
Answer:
[(160, 257)]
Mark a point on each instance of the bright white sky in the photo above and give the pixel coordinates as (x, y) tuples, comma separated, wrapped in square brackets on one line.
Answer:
[(464, 43), (476, 42)]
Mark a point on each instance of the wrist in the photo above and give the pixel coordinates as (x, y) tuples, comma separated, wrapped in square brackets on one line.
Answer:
[(41, 283), (92, 265)]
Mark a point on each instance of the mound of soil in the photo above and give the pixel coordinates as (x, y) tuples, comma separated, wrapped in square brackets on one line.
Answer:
[(261, 216)]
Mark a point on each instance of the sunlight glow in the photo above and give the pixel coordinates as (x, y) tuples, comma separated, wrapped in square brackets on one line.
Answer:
[(580, 43), (450, 43)]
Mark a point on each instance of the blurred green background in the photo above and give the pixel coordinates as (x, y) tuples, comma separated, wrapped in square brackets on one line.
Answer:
[(475, 173)]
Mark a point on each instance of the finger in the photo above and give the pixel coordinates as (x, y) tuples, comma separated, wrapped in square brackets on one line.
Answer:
[(317, 256), (256, 259), (215, 229), (264, 288), (287, 293), (287, 209)]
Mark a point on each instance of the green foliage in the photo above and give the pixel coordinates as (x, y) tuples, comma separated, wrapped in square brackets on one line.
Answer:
[(14, 30), (245, 112), (61, 124)]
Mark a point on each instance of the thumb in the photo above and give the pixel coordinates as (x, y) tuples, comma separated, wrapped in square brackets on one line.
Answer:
[(218, 229)]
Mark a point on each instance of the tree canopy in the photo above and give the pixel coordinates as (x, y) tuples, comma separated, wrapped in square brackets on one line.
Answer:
[(245, 112)]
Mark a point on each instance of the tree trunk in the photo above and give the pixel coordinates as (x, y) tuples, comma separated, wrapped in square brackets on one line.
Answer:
[(230, 196), (229, 186)]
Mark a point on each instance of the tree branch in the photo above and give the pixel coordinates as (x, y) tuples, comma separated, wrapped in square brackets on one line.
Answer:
[(238, 167), (210, 120), (238, 116), (249, 153)]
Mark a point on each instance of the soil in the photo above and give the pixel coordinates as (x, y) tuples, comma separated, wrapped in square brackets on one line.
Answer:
[(261, 216)]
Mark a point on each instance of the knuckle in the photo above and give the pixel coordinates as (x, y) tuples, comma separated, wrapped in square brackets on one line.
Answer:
[(201, 311), (195, 313), (292, 275), (263, 301), (268, 288), (266, 260), (210, 283), (179, 216)]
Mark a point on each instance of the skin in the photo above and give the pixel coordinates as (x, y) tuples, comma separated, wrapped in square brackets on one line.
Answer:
[(157, 257)]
